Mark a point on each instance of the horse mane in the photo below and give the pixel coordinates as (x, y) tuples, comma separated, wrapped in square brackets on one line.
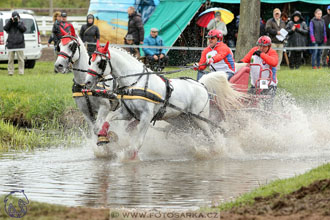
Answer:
[(125, 52)]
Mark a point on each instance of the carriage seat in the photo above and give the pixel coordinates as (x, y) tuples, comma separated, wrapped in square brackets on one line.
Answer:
[(240, 80)]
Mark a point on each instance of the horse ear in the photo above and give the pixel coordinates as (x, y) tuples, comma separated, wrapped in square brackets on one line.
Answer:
[(106, 46), (63, 32), (73, 32), (97, 44)]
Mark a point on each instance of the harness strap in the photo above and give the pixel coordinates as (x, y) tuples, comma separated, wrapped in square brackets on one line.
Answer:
[(161, 112), (89, 105), (77, 92)]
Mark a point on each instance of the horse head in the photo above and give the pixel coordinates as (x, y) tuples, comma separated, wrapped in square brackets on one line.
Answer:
[(68, 50), (100, 65)]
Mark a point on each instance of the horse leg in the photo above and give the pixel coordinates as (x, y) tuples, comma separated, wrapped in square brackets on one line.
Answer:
[(82, 106), (101, 116), (138, 138), (120, 114)]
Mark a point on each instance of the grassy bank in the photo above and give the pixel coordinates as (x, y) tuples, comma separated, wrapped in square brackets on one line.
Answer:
[(281, 187), (39, 100)]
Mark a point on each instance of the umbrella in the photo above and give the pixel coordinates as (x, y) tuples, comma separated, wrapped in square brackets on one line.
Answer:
[(206, 16)]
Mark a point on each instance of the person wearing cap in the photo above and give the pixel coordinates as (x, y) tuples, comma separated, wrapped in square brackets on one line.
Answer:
[(15, 42), (273, 27), (89, 33), (267, 57), (135, 26), (64, 24), (56, 19), (217, 23), (130, 41), (326, 52), (155, 55), (298, 32), (218, 56), (318, 35)]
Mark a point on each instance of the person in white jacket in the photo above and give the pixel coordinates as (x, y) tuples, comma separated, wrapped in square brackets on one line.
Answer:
[(216, 23)]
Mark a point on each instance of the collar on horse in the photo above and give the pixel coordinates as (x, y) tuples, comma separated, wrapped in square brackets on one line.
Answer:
[(65, 40)]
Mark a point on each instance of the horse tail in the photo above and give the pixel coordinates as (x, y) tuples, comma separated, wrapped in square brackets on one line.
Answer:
[(226, 97)]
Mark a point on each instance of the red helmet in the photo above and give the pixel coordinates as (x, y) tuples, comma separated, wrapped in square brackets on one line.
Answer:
[(264, 41), (215, 33)]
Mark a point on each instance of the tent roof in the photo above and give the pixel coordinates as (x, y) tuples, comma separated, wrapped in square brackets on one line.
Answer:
[(171, 18)]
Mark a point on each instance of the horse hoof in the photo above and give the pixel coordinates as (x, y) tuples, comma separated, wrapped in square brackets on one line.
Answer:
[(101, 140)]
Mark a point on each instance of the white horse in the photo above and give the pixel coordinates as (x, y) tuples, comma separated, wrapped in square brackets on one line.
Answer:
[(71, 50), (148, 97)]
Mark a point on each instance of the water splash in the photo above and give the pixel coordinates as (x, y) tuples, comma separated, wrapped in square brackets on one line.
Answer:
[(288, 131)]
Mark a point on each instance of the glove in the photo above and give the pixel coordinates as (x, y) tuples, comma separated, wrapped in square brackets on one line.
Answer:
[(195, 65), (257, 52), (210, 61)]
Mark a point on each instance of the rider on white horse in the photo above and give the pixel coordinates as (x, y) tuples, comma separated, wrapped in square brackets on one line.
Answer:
[(217, 55)]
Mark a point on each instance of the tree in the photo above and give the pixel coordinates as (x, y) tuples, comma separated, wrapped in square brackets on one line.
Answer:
[(249, 27)]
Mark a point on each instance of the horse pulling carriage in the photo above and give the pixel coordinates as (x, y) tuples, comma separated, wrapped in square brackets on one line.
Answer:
[(143, 96)]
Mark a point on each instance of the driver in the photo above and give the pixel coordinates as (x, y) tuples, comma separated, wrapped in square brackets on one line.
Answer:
[(217, 55), (264, 55)]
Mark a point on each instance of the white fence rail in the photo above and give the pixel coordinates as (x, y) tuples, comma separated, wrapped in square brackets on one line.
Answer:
[(45, 23)]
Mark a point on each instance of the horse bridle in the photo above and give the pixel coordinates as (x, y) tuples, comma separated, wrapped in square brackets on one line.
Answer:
[(73, 48), (102, 65)]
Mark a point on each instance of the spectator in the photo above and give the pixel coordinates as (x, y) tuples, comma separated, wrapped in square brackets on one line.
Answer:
[(285, 17), (155, 55), (56, 19), (216, 23), (231, 37), (298, 32), (326, 52), (273, 27), (66, 26), (135, 26), (262, 28), (130, 41), (217, 55), (318, 35), (15, 42), (89, 33), (267, 57)]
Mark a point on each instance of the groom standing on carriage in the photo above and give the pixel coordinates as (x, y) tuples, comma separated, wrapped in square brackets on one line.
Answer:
[(217, 55)]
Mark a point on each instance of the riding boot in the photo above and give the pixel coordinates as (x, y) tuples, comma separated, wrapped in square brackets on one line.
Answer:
[(103, 134)]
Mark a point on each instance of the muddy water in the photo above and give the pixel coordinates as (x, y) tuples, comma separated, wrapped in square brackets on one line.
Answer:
[(74, 176), (176, 171)]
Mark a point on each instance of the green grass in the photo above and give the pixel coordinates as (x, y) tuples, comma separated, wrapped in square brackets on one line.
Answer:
[(37, 98), (13, 138), (308, 86), (282, 187)]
